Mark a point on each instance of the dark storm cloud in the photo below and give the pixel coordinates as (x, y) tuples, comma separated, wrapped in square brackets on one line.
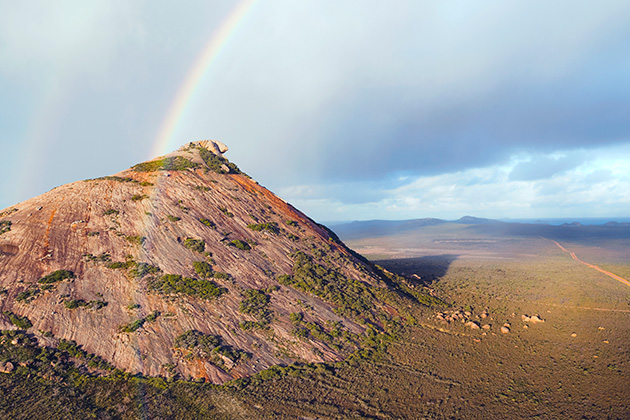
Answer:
[(370, 141)]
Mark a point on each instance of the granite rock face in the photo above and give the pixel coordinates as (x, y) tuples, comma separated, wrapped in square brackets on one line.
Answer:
[(108, 244)]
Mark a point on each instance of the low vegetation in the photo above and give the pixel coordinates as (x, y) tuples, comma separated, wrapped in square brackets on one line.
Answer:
[(242, 245), (217, 163), (5, 226), (135, 239), (80, 303), (56, 276), (208, 223), (138, 323), (121, 179), (197, 245), (209, 347), (203, 269), (21, 322), (177, 163), (256, 303), (173, 218), (268, 226), (176, 284)]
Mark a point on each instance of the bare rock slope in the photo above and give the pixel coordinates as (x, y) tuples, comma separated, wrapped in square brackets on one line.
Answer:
[(185, 266)]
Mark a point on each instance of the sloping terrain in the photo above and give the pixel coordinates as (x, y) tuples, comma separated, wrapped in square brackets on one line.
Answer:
[(184, 266)]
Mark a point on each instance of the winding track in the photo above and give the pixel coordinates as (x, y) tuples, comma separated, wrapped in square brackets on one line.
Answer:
[(601, 270)]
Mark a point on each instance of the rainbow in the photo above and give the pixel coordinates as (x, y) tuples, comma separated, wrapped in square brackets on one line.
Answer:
[(204, 60)]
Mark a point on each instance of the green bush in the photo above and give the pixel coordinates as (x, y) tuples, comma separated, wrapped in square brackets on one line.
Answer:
[(292, 223), (208, 223), (173, 218), (217, 163), (240, 244), (177, 284), (110, 212), (177, 163), (56, 276), (203, 269), (256, 303), (221, 276), (29, 294), (197, 245), (268, 226), (21, 322), (135, 239), (5, 226), (132, 326), (225, 211), (138, 197), (143, 269)]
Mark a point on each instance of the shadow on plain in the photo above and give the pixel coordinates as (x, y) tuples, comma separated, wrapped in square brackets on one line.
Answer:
[(429, 268)]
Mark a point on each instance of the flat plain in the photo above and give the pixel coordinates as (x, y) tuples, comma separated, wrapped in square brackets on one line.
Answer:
[(576, 364)]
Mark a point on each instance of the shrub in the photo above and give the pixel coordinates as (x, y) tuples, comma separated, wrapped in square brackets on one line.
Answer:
[(143, 269), (28, 294), (177, 163), (208, 223), (177, 284), (21, 322), (135, 239), (132, 326), (217, 163), (225, 211), (197, 245), (56, 276), (110, 212), (121, 265), (138, 197), (5, 226), (256, 303), (240, 244), (152, 317), (173, 218), (258, 227), (203, 269), (221, 276)]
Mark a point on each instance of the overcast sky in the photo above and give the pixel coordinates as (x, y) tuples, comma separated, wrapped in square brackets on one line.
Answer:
[(350, 110)]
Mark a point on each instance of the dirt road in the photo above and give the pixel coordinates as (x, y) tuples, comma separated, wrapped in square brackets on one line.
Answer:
[(608, 273)]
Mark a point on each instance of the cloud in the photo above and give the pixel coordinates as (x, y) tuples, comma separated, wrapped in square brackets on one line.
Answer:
[(333, 110), (541, 167)]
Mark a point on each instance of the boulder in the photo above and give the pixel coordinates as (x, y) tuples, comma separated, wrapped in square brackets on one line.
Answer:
[(6, 367), (505, 329)]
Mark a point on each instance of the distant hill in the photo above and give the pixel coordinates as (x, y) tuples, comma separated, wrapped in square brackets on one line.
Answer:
[(566, 231)]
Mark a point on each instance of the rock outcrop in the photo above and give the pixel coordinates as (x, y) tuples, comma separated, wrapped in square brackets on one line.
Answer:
[(185, 266)]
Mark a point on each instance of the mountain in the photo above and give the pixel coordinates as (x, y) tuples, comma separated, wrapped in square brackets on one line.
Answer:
[(183, 266), (374, 228)]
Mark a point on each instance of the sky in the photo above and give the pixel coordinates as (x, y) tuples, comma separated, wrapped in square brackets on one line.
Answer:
[(349, 110)]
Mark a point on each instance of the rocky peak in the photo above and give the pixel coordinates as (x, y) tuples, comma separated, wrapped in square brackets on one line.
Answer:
[(184, 266)]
